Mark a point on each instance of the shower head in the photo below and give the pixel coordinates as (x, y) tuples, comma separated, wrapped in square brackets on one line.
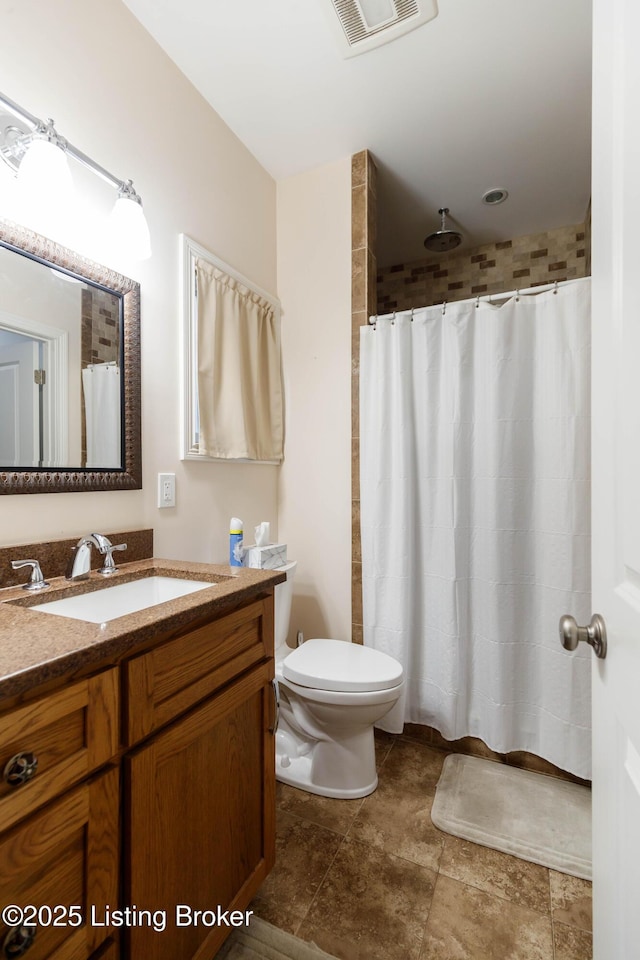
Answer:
[(443, 240)]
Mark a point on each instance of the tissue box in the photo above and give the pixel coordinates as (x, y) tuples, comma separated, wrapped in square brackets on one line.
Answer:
[(269, 557)]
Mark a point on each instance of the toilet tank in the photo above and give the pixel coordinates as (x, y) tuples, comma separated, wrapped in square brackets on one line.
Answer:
[(283, 593)]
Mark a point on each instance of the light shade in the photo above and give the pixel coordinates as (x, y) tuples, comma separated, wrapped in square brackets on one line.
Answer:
[(7, 192), (129, 228), (44, 169), (45, 199)]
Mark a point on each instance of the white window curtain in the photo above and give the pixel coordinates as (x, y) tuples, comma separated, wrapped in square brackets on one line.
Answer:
[(240, 395), (102, 406), (475, 517)]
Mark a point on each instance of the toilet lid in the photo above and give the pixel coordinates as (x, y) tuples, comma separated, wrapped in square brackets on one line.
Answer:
[(338, 665)]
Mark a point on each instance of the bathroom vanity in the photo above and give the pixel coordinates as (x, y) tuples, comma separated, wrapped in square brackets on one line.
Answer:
[(138, 759)]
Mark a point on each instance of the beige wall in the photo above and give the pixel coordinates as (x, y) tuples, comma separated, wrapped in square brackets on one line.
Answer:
[(314, 283), (116, 96)]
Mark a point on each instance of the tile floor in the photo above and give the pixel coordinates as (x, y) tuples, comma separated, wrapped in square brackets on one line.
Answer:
[(373, 879)]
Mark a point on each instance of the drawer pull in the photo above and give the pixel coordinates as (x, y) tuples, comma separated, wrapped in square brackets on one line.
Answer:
[(18, 940), (19, 769)]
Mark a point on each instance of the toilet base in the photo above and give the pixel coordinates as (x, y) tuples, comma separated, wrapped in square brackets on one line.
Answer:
[(298, 774)]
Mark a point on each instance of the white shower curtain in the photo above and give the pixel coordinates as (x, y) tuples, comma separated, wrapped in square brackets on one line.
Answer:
[(475, 517), (102, 406)]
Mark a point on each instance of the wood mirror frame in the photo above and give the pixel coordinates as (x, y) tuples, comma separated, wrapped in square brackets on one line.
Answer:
[(79, 479)]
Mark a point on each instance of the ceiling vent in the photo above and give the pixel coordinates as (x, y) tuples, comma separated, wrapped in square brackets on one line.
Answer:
[(365, 24)]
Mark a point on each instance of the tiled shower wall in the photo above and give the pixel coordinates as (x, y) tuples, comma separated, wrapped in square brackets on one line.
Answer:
[(100, 330), (363, 304), (99, 337), (530, 261)]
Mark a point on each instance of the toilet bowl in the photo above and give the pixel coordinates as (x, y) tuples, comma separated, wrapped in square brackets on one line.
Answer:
[(331, 693)]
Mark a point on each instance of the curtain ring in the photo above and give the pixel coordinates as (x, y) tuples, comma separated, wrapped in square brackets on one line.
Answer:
[(411, 314), (393, 318), (444, 307), (477, 301), (517, 296), (555, 286)]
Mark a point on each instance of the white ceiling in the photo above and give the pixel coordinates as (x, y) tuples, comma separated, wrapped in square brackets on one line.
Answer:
[(492, 93)]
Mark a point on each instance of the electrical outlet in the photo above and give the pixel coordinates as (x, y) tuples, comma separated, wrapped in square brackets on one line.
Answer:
[(166, 490)]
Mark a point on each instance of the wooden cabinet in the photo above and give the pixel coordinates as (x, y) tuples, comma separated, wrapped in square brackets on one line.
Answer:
[(200, 791), (200, 830), (66, 854), (193, 772)]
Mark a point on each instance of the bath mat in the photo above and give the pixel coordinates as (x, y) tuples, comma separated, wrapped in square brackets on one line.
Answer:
[(528, 815), (262, 941)]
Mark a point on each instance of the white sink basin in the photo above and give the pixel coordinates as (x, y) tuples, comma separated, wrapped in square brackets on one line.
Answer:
[(107, 603)]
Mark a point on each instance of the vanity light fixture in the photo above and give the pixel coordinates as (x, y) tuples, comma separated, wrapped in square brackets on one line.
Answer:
[(37, 155)]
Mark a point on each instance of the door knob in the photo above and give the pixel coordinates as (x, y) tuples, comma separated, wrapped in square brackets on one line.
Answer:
[(595, 634)]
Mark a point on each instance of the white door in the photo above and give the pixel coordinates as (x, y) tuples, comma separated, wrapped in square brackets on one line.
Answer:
[(616, 477), (19, 406)]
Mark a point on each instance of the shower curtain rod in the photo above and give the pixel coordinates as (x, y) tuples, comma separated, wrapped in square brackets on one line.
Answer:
[(487, 298)]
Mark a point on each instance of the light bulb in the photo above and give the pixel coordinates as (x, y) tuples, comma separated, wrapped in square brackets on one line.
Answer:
[(129, 228), (46, 200), (44, 169)]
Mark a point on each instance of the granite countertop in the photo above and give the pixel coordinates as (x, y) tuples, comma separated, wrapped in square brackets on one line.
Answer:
[(36, 647)]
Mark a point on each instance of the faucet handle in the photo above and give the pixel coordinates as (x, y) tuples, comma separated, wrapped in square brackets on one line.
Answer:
[(109, 567), (36, 581)]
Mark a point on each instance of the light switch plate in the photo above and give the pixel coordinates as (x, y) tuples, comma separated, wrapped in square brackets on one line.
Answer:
[(166, 490)]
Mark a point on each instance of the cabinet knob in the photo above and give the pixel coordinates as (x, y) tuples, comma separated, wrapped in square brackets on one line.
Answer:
[(19, 769), (18, 940)]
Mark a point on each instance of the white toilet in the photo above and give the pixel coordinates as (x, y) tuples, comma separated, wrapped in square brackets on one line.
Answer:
[(331, 694)]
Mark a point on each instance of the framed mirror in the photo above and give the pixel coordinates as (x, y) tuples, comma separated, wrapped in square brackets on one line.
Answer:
[(69, 370)]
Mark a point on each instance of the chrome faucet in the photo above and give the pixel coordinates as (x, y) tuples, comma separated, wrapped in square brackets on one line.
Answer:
[(37, 581), (80, 562)]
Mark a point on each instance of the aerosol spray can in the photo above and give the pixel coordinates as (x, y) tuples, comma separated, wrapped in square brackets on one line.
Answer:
[(236, 553)]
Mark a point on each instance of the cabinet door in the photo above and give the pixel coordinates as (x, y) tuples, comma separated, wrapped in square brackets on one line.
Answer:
[(200, 828), (64, 856)]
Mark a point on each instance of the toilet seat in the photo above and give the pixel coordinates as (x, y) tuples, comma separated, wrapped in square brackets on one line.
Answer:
[(337, 665)]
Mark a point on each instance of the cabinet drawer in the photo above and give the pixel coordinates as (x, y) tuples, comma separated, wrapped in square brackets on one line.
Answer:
[(172, 678), (65, 856), (70, 733)]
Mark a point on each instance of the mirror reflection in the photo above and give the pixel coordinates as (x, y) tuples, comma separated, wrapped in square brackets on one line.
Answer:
[(61, 358)]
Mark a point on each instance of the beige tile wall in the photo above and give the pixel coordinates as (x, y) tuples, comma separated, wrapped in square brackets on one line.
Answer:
[(363, 304), (100, 327), (529, 261)]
